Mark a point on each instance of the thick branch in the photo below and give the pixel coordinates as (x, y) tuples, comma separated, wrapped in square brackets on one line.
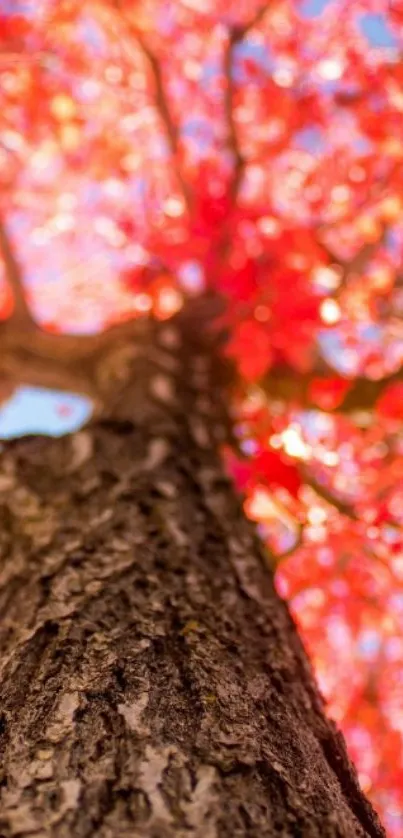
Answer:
[(69, 362), (59, 361), (89, 364), (287, 384), (21, 315)]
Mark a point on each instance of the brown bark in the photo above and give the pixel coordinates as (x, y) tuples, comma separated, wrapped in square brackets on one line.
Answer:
[(152, 683)]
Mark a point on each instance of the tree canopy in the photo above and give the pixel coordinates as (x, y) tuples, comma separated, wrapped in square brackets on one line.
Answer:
[(154, 151)]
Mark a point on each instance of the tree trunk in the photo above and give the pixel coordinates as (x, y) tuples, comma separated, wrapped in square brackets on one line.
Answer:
[(152, 682)]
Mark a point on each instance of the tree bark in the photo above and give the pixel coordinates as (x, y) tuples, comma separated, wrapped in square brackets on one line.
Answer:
[(152, 683)]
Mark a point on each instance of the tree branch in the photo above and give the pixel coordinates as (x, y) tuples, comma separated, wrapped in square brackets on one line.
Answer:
[(161, 102), (287, 384), (236, 35), (326, 494), (162, 105), (359, 263), (60, 361), (78, 363), (161, 97), (21, 316), (242, 30), (233, 142)]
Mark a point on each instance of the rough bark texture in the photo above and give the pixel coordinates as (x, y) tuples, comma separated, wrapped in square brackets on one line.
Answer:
[(152, 683)]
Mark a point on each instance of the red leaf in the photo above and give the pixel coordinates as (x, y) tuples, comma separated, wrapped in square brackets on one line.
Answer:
[(131, 279), (390, 403), (277, 471), (240, 470), (251, 347), (328, 393), (127, 226)]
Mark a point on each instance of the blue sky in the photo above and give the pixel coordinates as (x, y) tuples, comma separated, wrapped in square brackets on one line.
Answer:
[(374, 26), (32, 410), (312, 8)]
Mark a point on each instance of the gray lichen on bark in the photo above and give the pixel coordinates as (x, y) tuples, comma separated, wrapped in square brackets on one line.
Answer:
[(152, 683)]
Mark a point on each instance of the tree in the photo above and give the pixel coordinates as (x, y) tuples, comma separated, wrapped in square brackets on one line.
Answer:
[(212, 261)]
